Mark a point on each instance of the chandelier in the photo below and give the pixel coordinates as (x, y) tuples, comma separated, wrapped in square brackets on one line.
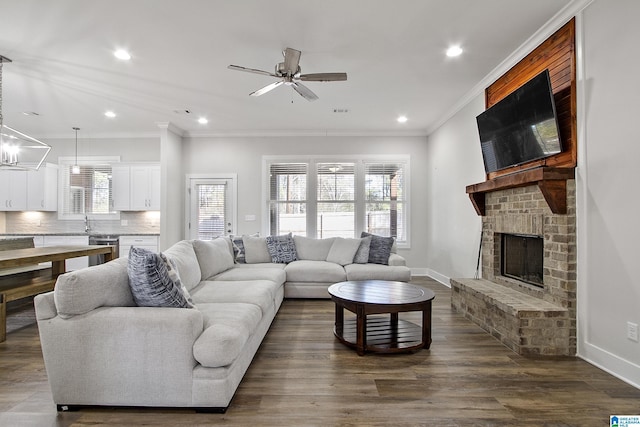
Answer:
[(18, 150)]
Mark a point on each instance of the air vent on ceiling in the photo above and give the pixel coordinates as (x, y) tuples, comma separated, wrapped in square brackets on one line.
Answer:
[(182, 111), (340, 110)]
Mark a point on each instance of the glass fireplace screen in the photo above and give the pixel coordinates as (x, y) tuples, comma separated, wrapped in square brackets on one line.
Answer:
[(522, 258)]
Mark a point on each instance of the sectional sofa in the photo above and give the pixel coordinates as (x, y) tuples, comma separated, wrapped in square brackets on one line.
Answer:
[(105, 344)]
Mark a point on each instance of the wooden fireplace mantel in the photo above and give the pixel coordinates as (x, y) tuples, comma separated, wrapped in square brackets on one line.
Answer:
[(551, 181)]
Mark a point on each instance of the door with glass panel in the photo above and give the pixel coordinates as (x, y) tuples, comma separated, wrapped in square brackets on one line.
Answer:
[(211, 208)]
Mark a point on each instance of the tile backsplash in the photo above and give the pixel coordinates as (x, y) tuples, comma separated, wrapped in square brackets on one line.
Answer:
[(48, 223)]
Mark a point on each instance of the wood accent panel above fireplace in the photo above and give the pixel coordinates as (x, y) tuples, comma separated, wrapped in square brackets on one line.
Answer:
[(557, 54)]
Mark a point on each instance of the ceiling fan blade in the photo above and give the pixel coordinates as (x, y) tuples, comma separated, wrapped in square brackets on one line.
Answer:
[(266, 89), (304, 91), (291, 61), (251, 70), (323, 77)]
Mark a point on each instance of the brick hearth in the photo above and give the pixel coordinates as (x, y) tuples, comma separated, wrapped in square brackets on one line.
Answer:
[(528, 319)]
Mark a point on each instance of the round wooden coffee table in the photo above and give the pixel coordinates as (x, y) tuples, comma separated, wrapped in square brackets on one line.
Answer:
[(381, 334)]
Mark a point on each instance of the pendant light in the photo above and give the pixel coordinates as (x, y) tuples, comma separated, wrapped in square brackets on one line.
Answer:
[(75, 169)]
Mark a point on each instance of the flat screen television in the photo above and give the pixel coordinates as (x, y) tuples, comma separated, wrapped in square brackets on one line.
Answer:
[(521, 127)]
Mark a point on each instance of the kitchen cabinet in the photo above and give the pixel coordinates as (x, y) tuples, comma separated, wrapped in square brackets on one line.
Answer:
[(42, 188), (120, 187), (13, 190), (146, 242), (145, 188), (71, 263), (136, 187)]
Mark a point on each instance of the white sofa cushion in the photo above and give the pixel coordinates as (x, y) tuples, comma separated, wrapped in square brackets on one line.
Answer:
[(214, 256), (255, 249), (228, 326), (261, 293), (377, 272), (104, 285), (314, 271), (186, 261), (276, 275), (312, 249), (343, 250)]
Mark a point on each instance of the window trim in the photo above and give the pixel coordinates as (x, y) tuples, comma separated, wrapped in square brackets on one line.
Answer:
[(360, 205), (82, 160)]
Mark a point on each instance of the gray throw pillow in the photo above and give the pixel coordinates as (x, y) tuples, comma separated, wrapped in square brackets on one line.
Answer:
[(281, 248), (151, 283), (362, 254), (380, 248), (238, 249)]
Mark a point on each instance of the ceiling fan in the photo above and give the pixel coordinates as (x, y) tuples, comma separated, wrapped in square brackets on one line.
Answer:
[(289, 74)]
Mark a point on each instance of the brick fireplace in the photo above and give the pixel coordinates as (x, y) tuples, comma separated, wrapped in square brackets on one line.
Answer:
[(530, 319)]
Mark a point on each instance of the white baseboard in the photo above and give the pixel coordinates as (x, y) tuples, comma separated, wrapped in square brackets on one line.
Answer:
[(438, 277), (625, 370), (419, 271)]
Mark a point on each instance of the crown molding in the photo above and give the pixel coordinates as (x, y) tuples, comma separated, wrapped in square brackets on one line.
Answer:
[(303, 133), (551, 26)]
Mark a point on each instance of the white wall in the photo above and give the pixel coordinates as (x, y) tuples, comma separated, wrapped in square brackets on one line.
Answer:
[(243, 155), (129, 149), (608, 204), (454, 160), (172, 188)]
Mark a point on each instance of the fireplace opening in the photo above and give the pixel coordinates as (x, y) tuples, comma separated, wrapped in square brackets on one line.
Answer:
[(522, 258)]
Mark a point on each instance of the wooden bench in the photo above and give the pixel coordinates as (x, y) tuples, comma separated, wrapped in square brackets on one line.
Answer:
[(524, 323), (23, 282)]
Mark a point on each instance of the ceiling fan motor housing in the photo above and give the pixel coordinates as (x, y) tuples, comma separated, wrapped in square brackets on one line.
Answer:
[(282, 71)]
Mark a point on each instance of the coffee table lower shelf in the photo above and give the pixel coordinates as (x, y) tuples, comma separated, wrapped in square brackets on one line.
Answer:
[(382, 336)]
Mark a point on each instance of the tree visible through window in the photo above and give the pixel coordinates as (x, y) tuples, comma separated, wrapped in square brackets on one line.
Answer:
[(89, 192)]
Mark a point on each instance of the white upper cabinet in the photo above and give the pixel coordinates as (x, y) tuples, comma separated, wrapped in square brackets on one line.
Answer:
[(42, 188), (13, 190), (120, 184), (145, 188), (136, 187)]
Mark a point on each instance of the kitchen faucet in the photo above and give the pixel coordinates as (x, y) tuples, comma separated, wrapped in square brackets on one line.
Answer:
[(86, 224)]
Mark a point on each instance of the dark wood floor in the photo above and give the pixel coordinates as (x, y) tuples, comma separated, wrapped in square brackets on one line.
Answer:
[(302, 376)]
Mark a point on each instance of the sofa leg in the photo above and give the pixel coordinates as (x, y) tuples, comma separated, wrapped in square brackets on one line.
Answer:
[(67, 408), (208, 410)]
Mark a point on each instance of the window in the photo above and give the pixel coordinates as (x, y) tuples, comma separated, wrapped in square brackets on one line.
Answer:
[(384, 196), (89, 192), (287, 198), (347, 197), (336, 203)]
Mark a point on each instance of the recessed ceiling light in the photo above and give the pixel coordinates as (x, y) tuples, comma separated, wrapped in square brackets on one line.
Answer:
[(454, 51), (30, 113), (402, 119), (203, 120), (122, 54), (110, 114)]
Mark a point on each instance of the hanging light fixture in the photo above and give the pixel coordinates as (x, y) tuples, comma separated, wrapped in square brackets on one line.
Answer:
[(75, 169), (18, 150)]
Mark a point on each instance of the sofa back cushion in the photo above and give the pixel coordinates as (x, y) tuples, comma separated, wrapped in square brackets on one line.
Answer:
[(311, 249), (255, 249), (186, 262), (343, 250), (214, 256), (104, 285)]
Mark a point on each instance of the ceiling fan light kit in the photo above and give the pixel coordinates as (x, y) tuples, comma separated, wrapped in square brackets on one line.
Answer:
[(289, 73)]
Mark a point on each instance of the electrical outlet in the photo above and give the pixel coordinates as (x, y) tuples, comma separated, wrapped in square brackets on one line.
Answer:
[(632, 331)]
